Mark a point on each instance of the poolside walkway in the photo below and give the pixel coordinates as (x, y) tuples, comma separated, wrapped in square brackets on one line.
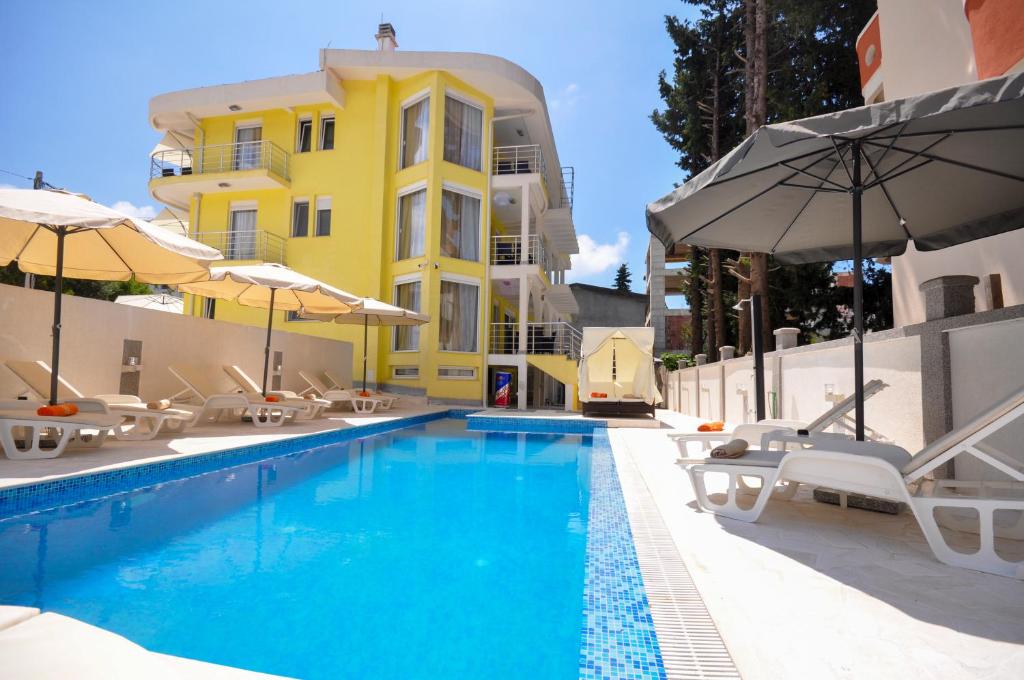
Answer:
[(194, 441), (816, 591)]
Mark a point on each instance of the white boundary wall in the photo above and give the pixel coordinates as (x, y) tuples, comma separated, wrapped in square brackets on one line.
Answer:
[(93, 334)]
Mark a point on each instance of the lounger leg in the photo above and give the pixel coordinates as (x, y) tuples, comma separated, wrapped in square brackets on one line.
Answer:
[(263, 416), (783, 491), (986, 558), (32, 448), (730, 508), (139, 428)]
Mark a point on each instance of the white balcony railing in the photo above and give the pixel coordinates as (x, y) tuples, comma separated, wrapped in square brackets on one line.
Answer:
[(245, 244), (517, 160), (509, 250), (547, 337), (262, 155)]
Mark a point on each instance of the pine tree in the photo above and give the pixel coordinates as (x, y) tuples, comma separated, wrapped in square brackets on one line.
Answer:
[(623, 278)]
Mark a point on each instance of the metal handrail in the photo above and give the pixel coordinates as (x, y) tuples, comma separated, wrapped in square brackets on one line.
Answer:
[(542, 337), (568, 186), (517, 160), (245, 245), (261, 155), (509, 250)]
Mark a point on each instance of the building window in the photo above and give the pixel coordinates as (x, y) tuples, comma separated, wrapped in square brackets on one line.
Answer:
[(304, 135), (405, 372), (412, 224), (294, 316), (326, 133), (241, 243), (415, 124), (463, 133), (407, 295), (209, 308), (460, 225), (459, 315), (323, 216), (456, 373), (300, 218)]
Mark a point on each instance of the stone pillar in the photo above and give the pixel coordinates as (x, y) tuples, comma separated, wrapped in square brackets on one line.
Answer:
[(786, 338), (701, 359), (727, 352), (947, 296)]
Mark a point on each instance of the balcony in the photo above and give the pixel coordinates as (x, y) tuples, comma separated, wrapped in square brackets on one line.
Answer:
[(176, 174), (517, 160), (239, 245), (556, 338), (568, 187), (508, 250)]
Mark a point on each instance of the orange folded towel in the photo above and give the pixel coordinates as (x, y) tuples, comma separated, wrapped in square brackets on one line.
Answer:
[(272, 399), (364, 393), (714, 426), (158, 405), (598, 395), (60, 410)]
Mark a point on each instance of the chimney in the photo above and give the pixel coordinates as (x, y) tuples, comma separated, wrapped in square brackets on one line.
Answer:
[(386, 38)]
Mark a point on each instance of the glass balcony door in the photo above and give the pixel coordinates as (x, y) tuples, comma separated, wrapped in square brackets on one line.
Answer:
[(247, 147), (242, 235)]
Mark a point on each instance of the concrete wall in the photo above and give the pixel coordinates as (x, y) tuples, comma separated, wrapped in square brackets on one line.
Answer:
[(94, 331), (608, 307), (795, 381), (987, 365)]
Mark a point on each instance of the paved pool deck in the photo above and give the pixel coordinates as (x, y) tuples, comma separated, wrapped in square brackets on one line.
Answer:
[(817, 591)]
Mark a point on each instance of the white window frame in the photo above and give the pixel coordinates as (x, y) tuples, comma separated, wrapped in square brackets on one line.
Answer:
[(320, 135), (471, 101), (471, 193), (468, 280), (316, 220), (402, 106), (291, 229), (457, 377), (405, 191), (395, 283), (298, 133), (394, 375)]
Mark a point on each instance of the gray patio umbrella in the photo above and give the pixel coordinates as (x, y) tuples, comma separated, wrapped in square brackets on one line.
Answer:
[(940, 169)]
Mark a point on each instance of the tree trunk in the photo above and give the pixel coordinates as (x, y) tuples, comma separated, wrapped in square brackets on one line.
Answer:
[(755, 32), (742, 273), (696, 300), (716, 305)]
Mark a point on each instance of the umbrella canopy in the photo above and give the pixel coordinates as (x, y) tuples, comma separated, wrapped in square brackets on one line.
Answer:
[(272, 287), (160, 302), (103, 244), (372, 312), (61, 234), (940, 169)]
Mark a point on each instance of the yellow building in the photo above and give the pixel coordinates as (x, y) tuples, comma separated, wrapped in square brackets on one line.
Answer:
[(427, 179)]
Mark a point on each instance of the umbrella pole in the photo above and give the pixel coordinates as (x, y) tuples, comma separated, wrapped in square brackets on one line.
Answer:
[(365, 331), (58, 288), (858, 296), (266, 350)]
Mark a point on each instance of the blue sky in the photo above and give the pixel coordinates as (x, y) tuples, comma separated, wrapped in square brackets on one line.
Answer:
[(77, 78)]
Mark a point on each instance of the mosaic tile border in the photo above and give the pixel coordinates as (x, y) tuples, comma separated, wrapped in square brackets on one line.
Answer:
[(45, 495), (618, 639), (536, 425)]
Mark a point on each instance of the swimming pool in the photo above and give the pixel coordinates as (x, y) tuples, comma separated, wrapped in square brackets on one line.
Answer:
[(430, 551)]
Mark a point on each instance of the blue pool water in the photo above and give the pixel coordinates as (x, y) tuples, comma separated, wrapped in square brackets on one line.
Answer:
[(428, 552)]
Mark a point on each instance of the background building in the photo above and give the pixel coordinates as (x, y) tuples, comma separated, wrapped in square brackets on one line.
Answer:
[(600, 306), (914, 46), (665, 298), (427, 179)]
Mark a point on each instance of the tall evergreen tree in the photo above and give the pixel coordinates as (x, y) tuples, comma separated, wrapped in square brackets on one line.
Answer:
[(623, 278)]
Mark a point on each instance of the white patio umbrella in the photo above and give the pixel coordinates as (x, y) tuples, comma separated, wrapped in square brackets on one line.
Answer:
[(940, 168), (272, 287), (372, 312), (159, 301), (60, 234)]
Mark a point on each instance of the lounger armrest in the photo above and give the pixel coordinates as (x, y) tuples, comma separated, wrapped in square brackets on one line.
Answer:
[(705, 437), (90, 405)]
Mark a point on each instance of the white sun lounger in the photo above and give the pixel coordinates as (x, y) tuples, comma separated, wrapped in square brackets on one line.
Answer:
[(308, 408), (27, 436), (386, 400), (137, 422), (838, 415), (890, 472), (336, 396), (218, 402)]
